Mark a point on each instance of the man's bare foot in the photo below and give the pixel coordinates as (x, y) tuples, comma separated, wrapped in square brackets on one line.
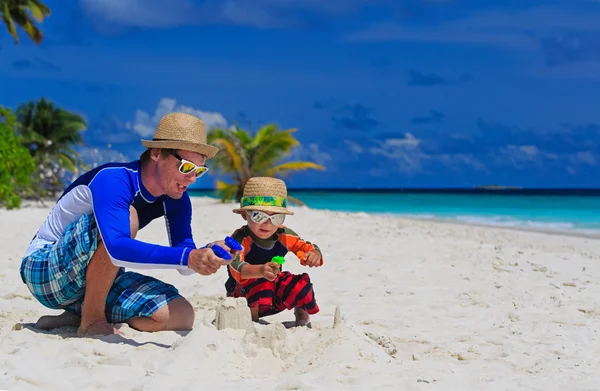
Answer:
[(66, 319), (302, 318), (96, 329)]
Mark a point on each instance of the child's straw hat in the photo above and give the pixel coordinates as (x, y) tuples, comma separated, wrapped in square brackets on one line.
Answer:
[(266, 194)]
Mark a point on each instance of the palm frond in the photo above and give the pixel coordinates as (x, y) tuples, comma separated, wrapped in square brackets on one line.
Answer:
[(243, 155), (8, 21), (226, 191), (22, 13), (38, 10), (285, 168)]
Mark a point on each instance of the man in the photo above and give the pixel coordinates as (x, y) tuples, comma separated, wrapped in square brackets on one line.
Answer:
[(77, 258)]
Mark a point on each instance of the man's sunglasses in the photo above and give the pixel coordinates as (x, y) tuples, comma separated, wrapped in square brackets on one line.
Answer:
[(186, 166)]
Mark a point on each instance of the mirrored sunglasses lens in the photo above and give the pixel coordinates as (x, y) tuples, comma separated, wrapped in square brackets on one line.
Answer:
[(277, 219), (187, 167), (258, 217), (201, 171)]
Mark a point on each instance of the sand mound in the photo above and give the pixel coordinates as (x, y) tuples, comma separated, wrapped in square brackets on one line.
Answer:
[(286, 358)]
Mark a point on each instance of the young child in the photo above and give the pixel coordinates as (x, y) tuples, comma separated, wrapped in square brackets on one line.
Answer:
[(252, 274)]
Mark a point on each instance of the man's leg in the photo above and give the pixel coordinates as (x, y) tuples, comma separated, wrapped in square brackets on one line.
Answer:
[(178, 314), (99, 278), (48, 322)]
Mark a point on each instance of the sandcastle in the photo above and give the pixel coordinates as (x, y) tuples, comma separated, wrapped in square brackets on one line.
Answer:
[(233, 313)]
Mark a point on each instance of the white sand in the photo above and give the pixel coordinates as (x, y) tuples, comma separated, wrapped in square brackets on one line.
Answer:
[(453, 307)]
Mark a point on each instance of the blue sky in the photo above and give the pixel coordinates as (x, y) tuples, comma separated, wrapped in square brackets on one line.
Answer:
[(383, 93)]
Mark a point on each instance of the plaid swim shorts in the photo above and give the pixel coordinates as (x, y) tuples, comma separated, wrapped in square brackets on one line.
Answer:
[(55, 275)]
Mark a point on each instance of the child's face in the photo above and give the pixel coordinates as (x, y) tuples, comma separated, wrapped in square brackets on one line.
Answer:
[(263, 230)]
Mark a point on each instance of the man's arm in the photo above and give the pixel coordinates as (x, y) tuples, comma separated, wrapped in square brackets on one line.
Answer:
[(112, 194), (178, 218)]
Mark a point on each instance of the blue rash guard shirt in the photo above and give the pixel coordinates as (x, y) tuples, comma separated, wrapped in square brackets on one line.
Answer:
[(107, 192)]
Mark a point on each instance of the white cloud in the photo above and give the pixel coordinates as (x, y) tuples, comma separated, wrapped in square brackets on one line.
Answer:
[(354, 147), (311, 152), (586, 157), (529, 149), (144, 124), (410, 159), (142, 13), (94, 157), (405, 152), (502, 28), (169, 13)]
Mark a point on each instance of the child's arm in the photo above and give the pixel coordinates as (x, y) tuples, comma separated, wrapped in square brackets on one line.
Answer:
[(242, 271), (302, 248), (268, 270)]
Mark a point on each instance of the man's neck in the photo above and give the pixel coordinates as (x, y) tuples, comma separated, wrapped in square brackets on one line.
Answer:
[(148, 178)]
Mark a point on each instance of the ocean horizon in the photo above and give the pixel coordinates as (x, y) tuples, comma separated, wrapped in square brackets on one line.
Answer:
[(575, 210)]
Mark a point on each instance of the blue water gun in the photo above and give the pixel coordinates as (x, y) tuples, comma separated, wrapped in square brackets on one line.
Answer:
[(231, 243)]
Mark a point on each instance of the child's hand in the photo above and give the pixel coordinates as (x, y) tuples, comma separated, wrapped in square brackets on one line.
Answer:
[(270, 270), (312, 258)]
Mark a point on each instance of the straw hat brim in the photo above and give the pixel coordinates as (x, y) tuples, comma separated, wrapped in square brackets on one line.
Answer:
[(264, 208), (204, 149)]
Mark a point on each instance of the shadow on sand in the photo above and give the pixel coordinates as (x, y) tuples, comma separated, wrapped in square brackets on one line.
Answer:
[(69, 332)]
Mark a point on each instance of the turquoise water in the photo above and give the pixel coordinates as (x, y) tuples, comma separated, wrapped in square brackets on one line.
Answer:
[(579, 213)]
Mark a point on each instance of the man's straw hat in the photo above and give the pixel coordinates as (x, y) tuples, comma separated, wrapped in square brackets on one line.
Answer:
[(266, 194), (181, 131)]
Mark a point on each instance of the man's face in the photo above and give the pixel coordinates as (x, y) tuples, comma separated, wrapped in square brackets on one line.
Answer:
[(170, 179)]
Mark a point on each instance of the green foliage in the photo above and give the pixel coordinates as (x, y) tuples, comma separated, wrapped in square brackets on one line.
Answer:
[(50, 133), (16, 164), (243, 155), (22, 13)]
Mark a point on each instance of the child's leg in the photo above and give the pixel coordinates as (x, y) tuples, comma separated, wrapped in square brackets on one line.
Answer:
[(258, 294), (295, 291), (254, 313), (302, 317)]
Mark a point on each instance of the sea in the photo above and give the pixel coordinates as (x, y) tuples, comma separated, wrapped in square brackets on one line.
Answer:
[(565, 210)]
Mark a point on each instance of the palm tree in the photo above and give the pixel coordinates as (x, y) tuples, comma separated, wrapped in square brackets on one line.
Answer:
[(50, 133), (243, 155), (15, 13)]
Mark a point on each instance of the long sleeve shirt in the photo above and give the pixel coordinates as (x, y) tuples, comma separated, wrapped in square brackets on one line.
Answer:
[(257, 251), (107, 192)]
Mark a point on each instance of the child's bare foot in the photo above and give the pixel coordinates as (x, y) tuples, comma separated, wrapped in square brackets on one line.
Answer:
[(48, 322), (302, 318)]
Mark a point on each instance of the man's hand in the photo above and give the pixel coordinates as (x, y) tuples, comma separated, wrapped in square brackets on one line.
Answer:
[(221, 243), (204, 261), (269, 270), (312, 258)]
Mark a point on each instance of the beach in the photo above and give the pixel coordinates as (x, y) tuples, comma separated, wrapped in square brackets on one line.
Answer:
[(422, 305)]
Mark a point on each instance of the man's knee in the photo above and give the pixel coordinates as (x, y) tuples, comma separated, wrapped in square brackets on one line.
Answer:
[(134, 222), (178, 314)]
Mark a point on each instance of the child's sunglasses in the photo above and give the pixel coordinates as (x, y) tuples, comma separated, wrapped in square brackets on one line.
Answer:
[(260, 217), (186, 166)]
